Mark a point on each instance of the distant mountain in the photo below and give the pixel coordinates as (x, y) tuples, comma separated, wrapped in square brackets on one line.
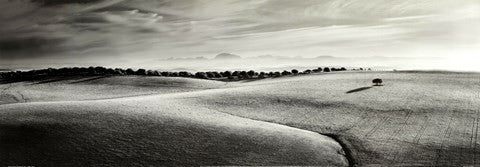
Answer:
[(186, 58), (265, 57), (324, 57), (227, 56), (273, 57)]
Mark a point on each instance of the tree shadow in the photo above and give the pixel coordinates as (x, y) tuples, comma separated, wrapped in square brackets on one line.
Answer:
[(358, 89)]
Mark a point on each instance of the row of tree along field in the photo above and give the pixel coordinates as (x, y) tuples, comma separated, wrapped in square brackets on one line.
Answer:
[(102, 71)]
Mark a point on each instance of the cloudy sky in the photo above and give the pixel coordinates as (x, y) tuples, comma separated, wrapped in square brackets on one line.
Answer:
[(136, 31)]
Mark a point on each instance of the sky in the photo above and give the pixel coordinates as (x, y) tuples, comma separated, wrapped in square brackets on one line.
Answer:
[(132, 32)]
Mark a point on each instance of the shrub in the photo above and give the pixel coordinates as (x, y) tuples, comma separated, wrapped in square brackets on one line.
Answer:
[(277, 74), (74, 70), (201, 75), (184, 74), (165, 73), (210, 74), (217, 75), (236, 73), (251, 73), (150, 73), (308, 71), (156, 73), (110, 71), (119, 72), (129, 71), (100, 70), (285, 72), (141, 72), (294, 71), (227, 74), (326, 69), (262, 75), (243, 74)]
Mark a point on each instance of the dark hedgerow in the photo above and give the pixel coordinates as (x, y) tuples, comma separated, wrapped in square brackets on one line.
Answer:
[(99, 71)]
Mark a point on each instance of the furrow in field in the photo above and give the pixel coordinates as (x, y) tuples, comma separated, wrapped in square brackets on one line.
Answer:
[(397, 132), (465, 137), (379, 124), (6, 88), (475, 141), (421, 132), (361, 121), (415, 141), (446, 135), (24, 100), (472, 140)]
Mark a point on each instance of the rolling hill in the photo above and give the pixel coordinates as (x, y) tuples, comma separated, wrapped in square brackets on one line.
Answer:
[(416, 118)]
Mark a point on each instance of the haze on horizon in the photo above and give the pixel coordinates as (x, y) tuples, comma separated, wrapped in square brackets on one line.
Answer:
[(38, 33)]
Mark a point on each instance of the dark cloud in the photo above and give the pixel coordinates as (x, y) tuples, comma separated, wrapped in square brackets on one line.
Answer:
[(37, 45), (88, 19), (62, 2)]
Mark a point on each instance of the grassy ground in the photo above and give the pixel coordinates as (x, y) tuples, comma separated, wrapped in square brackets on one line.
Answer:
[(416, 118), (89, 88), (149, 130)]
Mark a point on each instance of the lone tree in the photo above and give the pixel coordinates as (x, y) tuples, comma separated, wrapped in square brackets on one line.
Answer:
[(377, 81)]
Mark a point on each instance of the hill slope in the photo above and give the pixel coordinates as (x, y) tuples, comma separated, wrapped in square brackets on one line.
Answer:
[(99, 87), (414, 119), (151, 130)]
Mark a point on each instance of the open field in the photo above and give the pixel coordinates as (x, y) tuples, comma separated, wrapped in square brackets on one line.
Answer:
[(416, 118)]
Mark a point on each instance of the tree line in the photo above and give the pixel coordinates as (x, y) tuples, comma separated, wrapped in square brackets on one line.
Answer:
[(102, 71)]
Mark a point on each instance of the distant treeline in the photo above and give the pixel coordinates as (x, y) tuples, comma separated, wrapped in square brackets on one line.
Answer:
[(102, 71)]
